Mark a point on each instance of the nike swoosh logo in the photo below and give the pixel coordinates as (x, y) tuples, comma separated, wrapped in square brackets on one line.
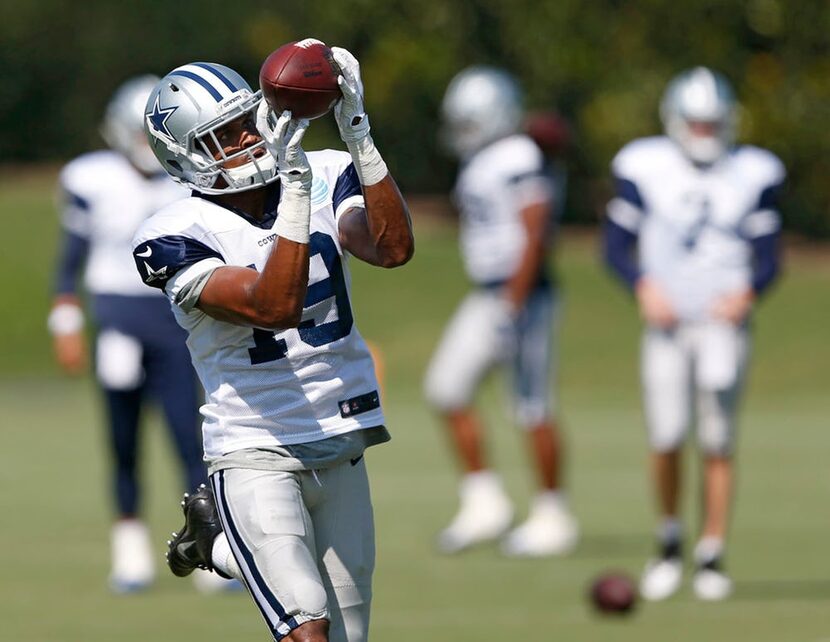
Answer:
[(145, 253)]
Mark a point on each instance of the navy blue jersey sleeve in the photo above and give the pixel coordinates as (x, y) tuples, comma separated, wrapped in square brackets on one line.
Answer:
[(767, 262), (159, 259), (72, 258), (619, 248), (628, 191), (347, 185)]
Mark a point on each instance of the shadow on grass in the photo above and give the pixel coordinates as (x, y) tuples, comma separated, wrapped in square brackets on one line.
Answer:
[(782, 590), (605, 545)]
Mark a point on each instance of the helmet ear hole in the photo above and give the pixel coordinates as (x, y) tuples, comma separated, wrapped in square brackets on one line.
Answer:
[(174, 88)]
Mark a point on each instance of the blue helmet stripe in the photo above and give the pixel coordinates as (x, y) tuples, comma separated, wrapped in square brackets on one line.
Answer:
[(204, 83), (216, 73)]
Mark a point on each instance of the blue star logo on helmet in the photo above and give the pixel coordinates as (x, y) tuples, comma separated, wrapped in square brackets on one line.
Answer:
[(159, 116)]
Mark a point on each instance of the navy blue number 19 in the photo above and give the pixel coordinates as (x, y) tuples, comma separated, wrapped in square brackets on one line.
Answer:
[(269, 348)]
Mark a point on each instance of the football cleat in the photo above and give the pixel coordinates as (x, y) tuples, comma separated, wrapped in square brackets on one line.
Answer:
[(662, 576), (192, 546), (132, 557), (485, 514), (550, 529), (710, 583)]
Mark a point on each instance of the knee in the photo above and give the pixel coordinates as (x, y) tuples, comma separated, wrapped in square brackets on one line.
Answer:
[(311, 631), (666, 438), (444, 392)]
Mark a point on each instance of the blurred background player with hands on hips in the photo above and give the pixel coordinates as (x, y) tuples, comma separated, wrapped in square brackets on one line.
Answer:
[(507, 200), (254, 265), (140, 351), (693, 231)]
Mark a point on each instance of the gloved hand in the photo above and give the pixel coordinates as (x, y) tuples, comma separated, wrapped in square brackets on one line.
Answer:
[(353, 122), (283, 140), (349, 112)]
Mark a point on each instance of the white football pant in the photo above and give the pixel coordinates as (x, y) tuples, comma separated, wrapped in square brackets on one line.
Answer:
[(305, 544), (479, 337), (694, 369)]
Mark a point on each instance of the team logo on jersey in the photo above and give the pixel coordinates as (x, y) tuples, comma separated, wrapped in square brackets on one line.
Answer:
[(159, 116), (154, 275), (319, 190)]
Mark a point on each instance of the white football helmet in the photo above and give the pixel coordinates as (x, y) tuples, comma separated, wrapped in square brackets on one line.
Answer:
[(123, 125), (699, 113), (182, 115), (481, 105)]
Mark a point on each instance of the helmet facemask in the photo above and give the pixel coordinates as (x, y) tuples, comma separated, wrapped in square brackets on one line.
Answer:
[(698, 112), (259, 168), (480, 106), (182, 117)]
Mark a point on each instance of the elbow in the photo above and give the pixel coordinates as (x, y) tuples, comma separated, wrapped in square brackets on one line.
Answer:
[(279, 317), (400, 255)]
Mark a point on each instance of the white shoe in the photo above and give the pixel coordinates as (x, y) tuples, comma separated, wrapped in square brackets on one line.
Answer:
[(132, 557), (661, 579), (550, 529), (209, 583), (711, 585), (485, 514)]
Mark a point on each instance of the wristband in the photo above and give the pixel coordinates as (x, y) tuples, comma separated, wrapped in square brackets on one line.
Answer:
[(368, 162), (294, 216), (65, 318)]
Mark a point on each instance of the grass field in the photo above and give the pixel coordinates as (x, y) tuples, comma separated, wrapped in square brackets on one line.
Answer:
[(55, 512)]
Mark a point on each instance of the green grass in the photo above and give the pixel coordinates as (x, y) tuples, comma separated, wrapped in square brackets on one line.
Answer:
[(54, 494)]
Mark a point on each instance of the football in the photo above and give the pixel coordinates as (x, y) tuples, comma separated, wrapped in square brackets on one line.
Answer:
[(613, 593), (300, 77)]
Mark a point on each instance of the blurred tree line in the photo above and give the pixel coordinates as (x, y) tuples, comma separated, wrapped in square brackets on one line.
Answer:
[(602, 64)]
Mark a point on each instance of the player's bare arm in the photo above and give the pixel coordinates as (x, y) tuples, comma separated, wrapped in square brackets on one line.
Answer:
[(535, 218), (380, 234), (272, 298)]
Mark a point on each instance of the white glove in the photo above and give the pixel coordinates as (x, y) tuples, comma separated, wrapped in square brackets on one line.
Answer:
[(353, 122), (283, 141), (351, 117)]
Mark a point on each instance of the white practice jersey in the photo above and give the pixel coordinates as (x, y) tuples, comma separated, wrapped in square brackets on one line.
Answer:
[(105, 199), (492, 189), (695, 225), (268, 388)]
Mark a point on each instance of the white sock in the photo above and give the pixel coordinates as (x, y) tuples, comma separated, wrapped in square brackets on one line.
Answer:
[(708, 549), (551, 498), (481, 481), (223, 558), (670, 530)]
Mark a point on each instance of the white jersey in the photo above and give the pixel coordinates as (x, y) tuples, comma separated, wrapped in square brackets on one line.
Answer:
[(492, 189), (266, 388), (695, 225), (105, 199)]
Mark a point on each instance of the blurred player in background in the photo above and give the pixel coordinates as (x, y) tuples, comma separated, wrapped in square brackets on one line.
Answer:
[(139, 351), (507, 200), (693, 231), (254, 265)]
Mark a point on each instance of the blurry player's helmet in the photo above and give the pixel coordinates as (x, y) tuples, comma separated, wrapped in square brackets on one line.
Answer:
[(182, 115), (123, 125), (481, 105), (699, 114)]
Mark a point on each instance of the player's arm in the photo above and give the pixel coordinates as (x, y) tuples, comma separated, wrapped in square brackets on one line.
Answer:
[(763, 230), (272, 298), (620, 239), (536, 220), (380, 234), (66, 318)]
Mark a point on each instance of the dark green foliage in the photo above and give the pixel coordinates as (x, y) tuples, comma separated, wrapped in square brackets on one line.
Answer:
[(603, 64)]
